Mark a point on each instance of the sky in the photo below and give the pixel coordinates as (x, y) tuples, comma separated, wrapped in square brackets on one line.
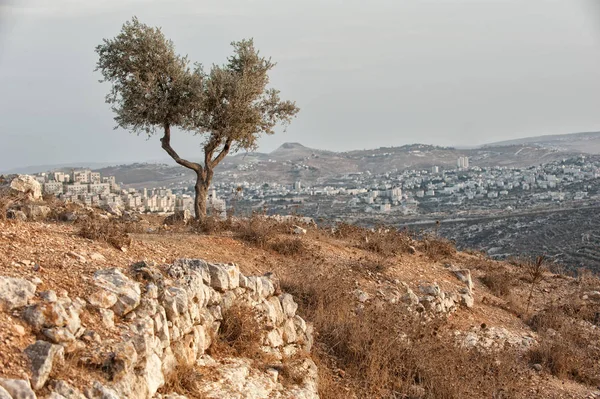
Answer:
[(365, 74)]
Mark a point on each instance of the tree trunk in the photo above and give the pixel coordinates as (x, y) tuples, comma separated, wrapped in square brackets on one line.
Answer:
[(201, 190)]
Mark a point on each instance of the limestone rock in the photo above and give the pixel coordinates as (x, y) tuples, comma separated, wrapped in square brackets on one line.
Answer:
[(123, 360), (288, 305), (17, 389), (112, 209), (65, 389), (298, 230), (432, 290), (224, 277), (464, 275), (102, 299), (16, 215), (49, 296), (128, 292), (37, 212), (108, 317), (152, 374), (42, 355), (179, 217), (99, 391), (15, 292), (28, 185)]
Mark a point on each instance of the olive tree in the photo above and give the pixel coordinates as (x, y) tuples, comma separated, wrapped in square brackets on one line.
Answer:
[(154, 90)]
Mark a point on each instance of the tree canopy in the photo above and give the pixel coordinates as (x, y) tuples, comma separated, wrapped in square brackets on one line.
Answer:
[(154, 89)]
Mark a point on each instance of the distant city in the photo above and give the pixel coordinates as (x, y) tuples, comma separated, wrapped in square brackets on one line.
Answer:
[(464, 189)]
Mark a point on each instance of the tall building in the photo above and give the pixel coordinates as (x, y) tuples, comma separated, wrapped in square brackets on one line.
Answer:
[(435, 169), (463, 162)]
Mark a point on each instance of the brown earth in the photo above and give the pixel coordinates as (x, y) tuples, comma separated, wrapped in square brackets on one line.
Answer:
[(56, 254)]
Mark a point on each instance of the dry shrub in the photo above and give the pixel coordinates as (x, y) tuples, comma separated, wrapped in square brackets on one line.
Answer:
[(111, 231), (564, 345), (240, 334), (345, 230), (437, 247), (211, 225), (555, 356), (391, 352), (259, 230), (386, 242), (500, 283), (289, 246), (10, 199), (184, 380)]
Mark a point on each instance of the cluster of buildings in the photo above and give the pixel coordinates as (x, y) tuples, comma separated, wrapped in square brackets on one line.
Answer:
[(420, 192), (92, 189), (463, 190)]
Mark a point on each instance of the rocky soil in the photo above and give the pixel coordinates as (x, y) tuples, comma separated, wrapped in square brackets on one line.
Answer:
[(178, 313)]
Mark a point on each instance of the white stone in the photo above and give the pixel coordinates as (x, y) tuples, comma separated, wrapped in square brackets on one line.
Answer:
[(108, 317), (288, 305), (28, 185), (128, 292), (152, 373), (15, 292), (17, 389)]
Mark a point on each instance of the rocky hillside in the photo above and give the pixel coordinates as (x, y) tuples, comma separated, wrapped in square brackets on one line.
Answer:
[(99, 306)]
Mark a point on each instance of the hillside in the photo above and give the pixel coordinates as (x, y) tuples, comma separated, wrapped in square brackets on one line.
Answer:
[(292, 161), (587, 142), (392, 316)]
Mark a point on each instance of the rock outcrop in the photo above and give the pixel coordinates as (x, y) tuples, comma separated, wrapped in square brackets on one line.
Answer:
[(28, 185), (167, 317)]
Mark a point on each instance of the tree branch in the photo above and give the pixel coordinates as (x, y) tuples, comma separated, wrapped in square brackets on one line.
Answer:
[(223, 153), (166, 145)]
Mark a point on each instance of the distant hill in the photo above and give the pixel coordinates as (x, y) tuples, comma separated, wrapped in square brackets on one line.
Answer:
[(586, 142), (294, 161)]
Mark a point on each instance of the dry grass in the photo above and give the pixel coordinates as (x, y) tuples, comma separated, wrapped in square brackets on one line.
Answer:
[(437, 247), (259, 231), (112, 231), (8, 200), (184, 380), (240, 334), (500, 283), (289, 246), (566, 348), (399, 357)]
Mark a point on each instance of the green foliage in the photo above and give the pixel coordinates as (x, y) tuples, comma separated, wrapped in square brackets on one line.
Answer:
[(152, 87)]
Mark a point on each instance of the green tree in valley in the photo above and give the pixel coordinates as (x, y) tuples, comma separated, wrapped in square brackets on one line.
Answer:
[(153, 90)]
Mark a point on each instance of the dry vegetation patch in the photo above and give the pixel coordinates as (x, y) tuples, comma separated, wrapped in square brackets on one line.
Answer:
[(112, 231)]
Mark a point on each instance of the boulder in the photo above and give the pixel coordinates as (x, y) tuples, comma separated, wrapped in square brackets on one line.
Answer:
[(65, 389), (128, 292), (298, 230), (4, 394), (464, 275), (179, 217), (288, 305), (224, 277), (17, 389), (112, 209), (28, 185), (14, 214), (37, 212), (15, 292), (43, 355)]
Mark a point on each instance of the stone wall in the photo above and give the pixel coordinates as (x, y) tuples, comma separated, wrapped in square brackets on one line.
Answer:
[(165, 317)]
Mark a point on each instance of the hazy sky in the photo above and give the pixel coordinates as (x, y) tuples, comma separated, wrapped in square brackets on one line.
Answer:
[(365, 73)]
